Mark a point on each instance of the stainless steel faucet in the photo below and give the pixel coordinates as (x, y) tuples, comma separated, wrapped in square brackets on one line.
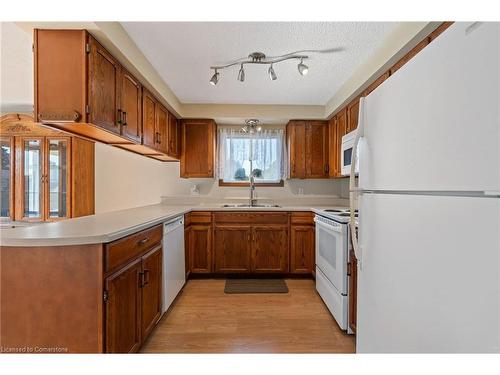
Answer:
[(252, 200)]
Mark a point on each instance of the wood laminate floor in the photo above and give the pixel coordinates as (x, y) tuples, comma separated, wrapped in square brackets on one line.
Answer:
[(205, 320)]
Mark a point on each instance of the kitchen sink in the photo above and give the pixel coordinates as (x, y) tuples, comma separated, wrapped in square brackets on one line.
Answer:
[(250, 206)]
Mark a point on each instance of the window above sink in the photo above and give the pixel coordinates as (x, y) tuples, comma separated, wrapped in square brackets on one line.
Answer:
[(263, 150)]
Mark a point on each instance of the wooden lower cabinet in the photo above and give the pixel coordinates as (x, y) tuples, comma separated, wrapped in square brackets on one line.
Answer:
[(133, 292), (302, 242), (151, 290), (123, 309), (199, 248), (269, 249), (232, 242), (232, 248)]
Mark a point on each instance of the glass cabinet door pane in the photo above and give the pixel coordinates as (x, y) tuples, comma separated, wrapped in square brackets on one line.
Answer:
[(32, 178), (6, 176), (58, 164)]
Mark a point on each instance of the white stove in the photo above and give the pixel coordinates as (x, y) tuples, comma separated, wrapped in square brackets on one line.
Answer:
[(341, 215), (332, 254)]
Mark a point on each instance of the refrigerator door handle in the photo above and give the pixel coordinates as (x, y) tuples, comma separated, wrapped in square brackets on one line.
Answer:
[(353, 191)]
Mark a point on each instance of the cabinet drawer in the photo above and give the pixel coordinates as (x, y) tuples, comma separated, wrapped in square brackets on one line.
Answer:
[(125, 249), (198, 217), (251, 217), (303, 218)]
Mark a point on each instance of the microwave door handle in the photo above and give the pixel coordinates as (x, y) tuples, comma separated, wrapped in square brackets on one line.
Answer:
[(353, 190)]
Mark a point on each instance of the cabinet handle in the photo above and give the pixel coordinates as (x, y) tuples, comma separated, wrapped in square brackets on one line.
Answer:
[(141, 279), (327, 168), (119, 116), (146, 277), (158, 138), (124, 122), (143, 241)]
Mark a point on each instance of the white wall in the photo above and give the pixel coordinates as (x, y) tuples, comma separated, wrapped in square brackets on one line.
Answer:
[(124, 180), (16, 69)]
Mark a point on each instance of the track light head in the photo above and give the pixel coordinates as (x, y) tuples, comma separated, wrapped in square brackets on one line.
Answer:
[(215, 78), (241, 74), (272, 73), (303, 68)]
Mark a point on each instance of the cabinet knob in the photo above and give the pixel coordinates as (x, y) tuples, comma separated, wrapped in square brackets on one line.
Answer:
[(143, 241)]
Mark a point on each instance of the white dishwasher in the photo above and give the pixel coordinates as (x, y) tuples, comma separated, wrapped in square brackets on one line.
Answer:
[(174, 271)]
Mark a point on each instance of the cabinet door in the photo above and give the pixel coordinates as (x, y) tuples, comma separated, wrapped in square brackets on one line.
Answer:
[(200, 248), (123, 309), (316, 149), (340, 131), (353, 290), (232, 245), (8, 177), (162, 143), (57, 178), (332, 147), (296, 133), (302, 249), (270, 248), (151, 290), (198, 146), (30, 190), (149, 119), (131, 103), (352, 115), (104, 88), (173, 136)]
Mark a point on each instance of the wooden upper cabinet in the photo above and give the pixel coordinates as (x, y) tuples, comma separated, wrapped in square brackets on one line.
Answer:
[(131, 107), (83, 89), (333, 151), (173, 136), (352, 115), (60, 62), (149, 105), (162, 143), (296, 134), (104, 88), (198, 148), (308, 149), (317, 149)]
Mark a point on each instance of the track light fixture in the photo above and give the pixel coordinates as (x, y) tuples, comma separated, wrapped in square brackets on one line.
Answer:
[(215, 78), (241, 74), (303, 68), (272, 74), (260, 58)]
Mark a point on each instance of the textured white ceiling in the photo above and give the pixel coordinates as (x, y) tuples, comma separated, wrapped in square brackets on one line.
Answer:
[(182, 53)]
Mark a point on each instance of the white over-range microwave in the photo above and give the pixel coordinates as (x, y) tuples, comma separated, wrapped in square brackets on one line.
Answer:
[(346, 155)]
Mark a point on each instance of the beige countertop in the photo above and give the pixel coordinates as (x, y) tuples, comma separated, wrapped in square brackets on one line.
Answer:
[(109, 226)]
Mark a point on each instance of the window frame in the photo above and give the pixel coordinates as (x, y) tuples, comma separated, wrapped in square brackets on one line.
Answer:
[(12, 166), (223, 183)]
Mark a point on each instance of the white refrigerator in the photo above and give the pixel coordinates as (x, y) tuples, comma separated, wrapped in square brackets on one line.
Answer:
[(429, 200)]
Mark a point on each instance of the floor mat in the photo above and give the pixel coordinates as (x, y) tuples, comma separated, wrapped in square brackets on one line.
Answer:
[(242, 286)]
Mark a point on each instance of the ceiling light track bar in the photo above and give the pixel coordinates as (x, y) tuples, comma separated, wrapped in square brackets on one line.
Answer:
[(266, 62)]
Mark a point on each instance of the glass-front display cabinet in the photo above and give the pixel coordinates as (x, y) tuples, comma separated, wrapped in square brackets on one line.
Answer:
[(44, 172)]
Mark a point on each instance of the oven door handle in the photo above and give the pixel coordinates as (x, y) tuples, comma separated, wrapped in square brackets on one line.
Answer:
[(328, 227)]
